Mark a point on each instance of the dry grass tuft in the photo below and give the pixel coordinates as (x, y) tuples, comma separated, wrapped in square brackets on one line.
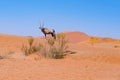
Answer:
[(30, 48), (6, 55), (55, 48), (116, 46)]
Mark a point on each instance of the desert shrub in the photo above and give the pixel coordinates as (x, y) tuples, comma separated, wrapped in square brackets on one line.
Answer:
[(3, 56), (30, 48), (55, 48), (93, 40), (116, 46), (118, 41), (6, 55)]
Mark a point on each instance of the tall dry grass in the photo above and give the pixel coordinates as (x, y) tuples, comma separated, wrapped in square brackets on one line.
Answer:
[(50, 49), (30, 48), (55, 48)]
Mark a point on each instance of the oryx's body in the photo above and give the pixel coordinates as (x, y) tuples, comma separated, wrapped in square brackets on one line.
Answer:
[(48, 31)]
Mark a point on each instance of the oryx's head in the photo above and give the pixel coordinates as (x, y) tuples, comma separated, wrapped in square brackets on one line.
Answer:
[(41, 26)]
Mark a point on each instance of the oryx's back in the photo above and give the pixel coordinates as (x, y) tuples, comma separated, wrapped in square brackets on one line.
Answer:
[(48, 30)]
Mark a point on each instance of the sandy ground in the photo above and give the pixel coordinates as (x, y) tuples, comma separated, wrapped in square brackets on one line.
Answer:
[(86, 62)]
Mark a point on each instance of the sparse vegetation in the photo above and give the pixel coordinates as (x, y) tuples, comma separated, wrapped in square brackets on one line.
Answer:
[(118, 41), (30, 48), (116, 46), (5, 55), (51, 49), (55, 48), (93, 40)]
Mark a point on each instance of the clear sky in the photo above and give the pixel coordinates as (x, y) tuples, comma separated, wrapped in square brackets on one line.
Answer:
[(94, 17)]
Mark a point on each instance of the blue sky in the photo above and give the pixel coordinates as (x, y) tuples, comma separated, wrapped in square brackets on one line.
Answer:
[(94, 17)]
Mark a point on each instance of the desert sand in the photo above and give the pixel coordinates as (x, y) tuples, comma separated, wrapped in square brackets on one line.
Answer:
[(84, 61)]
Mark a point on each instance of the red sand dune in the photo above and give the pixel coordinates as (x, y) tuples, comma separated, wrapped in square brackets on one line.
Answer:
[(76, 37), (98, 62)]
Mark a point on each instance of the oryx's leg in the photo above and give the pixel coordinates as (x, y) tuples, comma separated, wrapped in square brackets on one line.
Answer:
[(45, 36)]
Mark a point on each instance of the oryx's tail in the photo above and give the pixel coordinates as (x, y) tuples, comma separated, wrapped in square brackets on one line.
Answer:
[(54, 35)]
